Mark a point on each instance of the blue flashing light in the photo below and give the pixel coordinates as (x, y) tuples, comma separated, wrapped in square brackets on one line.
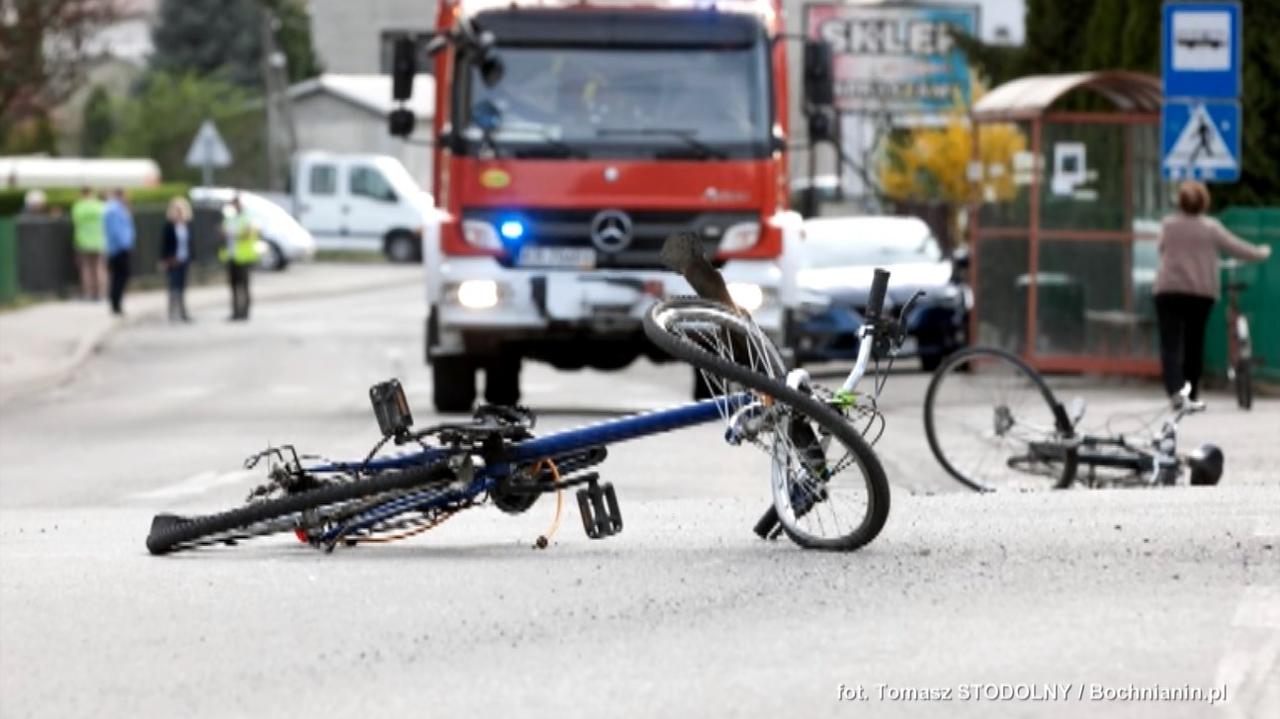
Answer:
[(511, 229)]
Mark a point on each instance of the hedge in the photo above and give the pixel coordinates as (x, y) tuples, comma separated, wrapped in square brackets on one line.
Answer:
[(11, 200)]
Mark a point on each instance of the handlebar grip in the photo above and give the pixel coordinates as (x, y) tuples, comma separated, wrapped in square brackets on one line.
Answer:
[(875, 301)]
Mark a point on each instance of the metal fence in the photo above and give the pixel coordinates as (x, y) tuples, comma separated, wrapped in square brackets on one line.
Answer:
[(37, 254), (8, 261)]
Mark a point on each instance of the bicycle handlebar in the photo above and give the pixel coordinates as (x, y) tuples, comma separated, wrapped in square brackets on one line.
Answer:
[(875, 300)]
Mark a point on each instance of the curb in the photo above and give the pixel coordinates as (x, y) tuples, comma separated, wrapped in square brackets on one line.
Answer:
[(91, 342)]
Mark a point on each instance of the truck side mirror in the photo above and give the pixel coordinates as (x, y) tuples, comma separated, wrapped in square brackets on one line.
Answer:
[(819, 88), (401, 122), (404, 65)]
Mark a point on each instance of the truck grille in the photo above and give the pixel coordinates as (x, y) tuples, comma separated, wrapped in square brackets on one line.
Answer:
[(649, 229)]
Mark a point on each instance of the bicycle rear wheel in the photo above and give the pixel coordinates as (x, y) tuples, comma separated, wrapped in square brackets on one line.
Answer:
[(829, 489), (993, 423), (315, 507), (1244, 384)]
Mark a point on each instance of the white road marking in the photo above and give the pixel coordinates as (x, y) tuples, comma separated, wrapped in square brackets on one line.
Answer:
[(1260, 607), (1250, 669), (195, 485)]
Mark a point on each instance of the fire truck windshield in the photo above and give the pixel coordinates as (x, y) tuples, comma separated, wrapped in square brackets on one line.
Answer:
[(642, 102)]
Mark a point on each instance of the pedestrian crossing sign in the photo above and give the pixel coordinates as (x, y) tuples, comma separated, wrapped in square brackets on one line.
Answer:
[(1201, 140)]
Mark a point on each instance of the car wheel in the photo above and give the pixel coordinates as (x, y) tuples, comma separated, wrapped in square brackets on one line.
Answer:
[(402, 247), (273, 260), (930, 362), (453, 381)]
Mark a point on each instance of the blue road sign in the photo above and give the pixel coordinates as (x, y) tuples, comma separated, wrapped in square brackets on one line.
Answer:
[(1201, 53), (1201, 140)]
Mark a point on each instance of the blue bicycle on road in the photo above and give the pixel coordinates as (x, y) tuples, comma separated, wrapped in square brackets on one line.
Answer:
[(829, 490)]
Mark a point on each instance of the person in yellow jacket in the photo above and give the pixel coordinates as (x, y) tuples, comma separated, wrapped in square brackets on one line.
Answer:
[(240, 252), (90, 242)]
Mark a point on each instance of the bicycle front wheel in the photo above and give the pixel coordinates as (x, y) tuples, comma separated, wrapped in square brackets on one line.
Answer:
[(314, 508), (993, 423), (829, 489)]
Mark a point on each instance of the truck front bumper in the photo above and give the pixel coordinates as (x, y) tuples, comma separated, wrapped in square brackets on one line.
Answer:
[(550, 305)]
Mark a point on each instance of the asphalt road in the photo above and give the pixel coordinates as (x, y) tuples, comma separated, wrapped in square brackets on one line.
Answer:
[(967, 605)]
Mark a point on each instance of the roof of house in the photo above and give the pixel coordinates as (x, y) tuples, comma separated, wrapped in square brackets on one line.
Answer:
[(370, 92)]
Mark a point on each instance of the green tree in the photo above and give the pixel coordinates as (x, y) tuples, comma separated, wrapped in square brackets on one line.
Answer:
[(99, 123), (31, 135), (208, 37), (1108, 35), (162, 119)]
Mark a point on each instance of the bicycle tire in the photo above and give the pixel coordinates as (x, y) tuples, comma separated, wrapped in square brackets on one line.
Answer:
[(954, 364), (169, 532), (1244, 384), (877, 486)]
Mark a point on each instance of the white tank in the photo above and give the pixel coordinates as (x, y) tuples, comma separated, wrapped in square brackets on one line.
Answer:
[(32, 172)]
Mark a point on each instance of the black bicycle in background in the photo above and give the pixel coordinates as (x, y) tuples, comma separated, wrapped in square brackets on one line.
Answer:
[(1239, 345), (994, 424)]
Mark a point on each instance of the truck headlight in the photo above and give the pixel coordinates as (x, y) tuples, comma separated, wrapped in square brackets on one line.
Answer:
[(478, 294), (739, 237), (481, 234), (746, 295)]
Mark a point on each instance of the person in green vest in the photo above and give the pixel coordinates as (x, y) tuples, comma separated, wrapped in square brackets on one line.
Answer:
[(90, 243), (240, 252)]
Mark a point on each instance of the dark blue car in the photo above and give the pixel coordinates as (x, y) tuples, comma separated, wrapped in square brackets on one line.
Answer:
[(837, 257)]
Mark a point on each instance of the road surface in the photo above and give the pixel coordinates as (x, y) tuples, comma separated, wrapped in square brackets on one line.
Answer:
[(1116, 602)]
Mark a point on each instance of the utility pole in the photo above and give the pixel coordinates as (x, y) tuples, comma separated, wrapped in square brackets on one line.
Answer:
[(281, 135)]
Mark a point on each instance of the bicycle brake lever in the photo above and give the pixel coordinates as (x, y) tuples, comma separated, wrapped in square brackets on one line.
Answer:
[(901, 334)]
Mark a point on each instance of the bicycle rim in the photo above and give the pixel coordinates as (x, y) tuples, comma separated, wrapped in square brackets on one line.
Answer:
[(993, 424), (828, 487)]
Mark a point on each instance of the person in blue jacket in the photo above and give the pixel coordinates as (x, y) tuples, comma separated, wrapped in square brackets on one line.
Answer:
[(117, 220)]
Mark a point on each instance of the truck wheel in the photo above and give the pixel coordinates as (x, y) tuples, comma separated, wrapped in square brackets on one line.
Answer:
[(402, 247), (502, 381), (453, 382)]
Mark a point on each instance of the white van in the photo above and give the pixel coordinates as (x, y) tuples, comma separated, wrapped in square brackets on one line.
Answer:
[(283, 239), (359, 202)]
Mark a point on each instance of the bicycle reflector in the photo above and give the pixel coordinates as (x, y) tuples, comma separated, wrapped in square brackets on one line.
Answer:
[(391, 408)]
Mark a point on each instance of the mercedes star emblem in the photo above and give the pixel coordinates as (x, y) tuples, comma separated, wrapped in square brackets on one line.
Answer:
[(611, 230)]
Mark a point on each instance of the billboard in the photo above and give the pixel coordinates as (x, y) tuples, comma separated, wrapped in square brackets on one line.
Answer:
[(895, 58)]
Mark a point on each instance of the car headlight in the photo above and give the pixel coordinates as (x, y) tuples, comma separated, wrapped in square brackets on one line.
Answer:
[(481, 234), (478, 294), (739, 237), (746, 295)]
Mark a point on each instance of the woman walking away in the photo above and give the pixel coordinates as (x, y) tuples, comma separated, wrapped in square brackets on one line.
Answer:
[(1187, 285), (175, 255)]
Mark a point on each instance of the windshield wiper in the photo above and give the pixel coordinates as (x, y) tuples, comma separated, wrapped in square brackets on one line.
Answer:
[(704, 150), (553, 147)]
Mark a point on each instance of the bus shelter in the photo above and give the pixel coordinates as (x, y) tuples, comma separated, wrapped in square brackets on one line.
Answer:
[(1065, 219)]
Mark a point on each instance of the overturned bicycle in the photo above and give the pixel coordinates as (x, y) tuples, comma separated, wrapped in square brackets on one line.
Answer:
[(828, 487)]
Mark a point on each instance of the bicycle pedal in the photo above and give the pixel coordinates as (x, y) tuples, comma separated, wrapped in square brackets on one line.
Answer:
[(598, 505)]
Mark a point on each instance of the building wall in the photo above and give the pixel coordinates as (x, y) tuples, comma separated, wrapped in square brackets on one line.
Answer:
[(347, 34), (327, 123)]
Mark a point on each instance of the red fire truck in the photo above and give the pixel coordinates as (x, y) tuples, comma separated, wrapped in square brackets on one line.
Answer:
[(571, 139)]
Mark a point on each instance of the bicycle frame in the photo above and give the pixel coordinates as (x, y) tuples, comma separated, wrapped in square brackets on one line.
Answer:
[(1136, 459), (593, 435)]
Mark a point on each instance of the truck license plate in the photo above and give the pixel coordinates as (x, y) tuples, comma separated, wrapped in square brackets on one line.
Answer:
[(576, 257)]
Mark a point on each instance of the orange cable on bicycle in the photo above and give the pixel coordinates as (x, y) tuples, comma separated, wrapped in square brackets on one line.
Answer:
[(544, 540)]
